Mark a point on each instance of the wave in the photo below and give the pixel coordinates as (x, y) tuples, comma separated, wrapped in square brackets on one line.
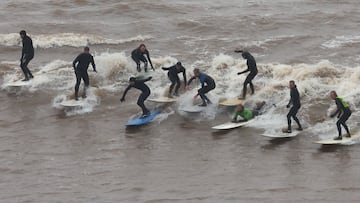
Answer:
[(66, 39), (341, 41), (314, 81)]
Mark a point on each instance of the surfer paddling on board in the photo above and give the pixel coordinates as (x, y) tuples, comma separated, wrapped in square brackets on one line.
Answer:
[(295, 102), (207, 84), (343, 112), (145, 92), (246, 113), (138, 56), (173, 72), (26, 55), (81, 65), (251, 64)]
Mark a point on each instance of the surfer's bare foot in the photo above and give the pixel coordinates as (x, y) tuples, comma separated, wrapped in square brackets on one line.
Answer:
[(338, 138)]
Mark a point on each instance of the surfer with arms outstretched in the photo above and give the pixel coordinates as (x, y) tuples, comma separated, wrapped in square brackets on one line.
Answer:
[(207, 84), (174, 78)]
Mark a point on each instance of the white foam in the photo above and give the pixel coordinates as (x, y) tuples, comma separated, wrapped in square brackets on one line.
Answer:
[(66, 39), (340, 41)]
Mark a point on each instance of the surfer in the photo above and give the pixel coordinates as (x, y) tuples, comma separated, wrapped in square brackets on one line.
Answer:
[(251, 64), (138, 55), (26, 55), (295, 101), (343, 112), (173, 72), (246, 113), (81, 65), (207, 84), (145, 92)]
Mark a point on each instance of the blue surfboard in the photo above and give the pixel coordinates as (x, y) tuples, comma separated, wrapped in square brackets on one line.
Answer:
[(143, 120)]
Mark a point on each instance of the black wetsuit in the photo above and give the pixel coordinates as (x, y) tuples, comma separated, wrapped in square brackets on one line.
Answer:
[(145, 92), (210, 85), (26, 56), (344, 113), (138, 56), (81, 65), (174, 78), (251, 64), (295, 101)]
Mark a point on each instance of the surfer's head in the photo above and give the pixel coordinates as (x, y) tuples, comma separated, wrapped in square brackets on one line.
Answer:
[(197, 72), (86, 49), (178, 65), (291, 84), (333, 95), (142, 47), (240, 108), (22, 33), (132, 80), (246, 55)]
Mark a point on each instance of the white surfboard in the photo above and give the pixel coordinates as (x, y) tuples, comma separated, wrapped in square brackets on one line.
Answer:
[(18, 84), (231, 125), (345, 141), (193, 109), (231, 102), (72, 103), (163, 100), (281, 134)]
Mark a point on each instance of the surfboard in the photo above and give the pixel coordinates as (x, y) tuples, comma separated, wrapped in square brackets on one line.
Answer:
[(345, 140), (231, 102), (72, 103), (143, 120), (281, 135), (163, 100), (193, 109), (18, 83), (231, 125)]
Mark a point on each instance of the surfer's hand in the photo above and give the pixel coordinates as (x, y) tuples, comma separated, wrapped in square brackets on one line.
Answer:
[(332, 116), (150, 78), (163, 68), (195, 96), (95, 71), (238, 51), (288, 106), (187, 87), (122, 99), (239, 73)]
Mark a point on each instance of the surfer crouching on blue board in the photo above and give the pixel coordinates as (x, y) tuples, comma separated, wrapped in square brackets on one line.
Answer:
[(174, 78), (295, 102), (251, 64), (343, 112), (145, 92), (207, 84), (246, 113)]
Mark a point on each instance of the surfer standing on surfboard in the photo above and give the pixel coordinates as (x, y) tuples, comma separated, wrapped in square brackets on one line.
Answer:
[(251, 64), (26, 55), (145, 92), (138, 55), (207, 84), (174, 78), (295, 101), (81, 65), (343, 113)]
